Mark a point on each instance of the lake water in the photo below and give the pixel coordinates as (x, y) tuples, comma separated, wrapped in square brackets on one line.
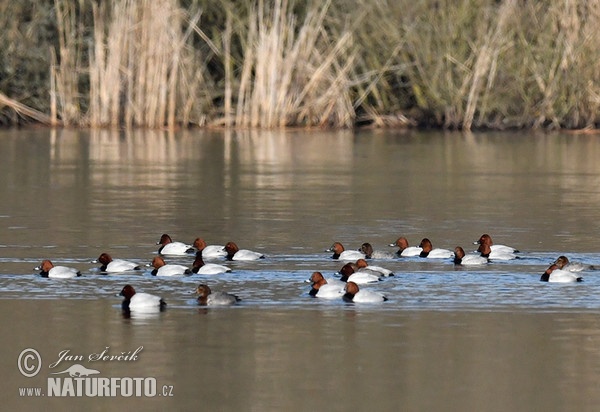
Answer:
[(449, 338)]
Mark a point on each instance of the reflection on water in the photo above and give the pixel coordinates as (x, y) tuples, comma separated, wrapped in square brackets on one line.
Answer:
[(269, 359), (486, 338)]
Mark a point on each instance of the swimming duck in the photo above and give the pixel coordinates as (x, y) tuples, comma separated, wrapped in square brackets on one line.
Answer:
[(363, 266), (48, 270), (169, 247), (499, 254), (404, 249), (487, 239), (202, 268), (556, 275), (209, 251), (563, 263), (140, 301), (367, 249), (206, 297), (323, 288), (460, 258), (356, 295), (161, 268), (350, 273), (340, 253), (429, 252), (235, 253), (110, 265)]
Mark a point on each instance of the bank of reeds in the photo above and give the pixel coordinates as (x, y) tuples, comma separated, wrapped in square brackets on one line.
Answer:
[(278, 63), (142, 69), (293, 73), (476, 63)]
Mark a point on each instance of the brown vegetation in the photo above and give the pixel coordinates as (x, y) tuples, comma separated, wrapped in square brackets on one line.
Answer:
[(339, 63)]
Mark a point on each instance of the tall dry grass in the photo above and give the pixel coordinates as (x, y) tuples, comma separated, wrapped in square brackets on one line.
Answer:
[(477, 63), (276, 63), (293, 73), (560, 58), (64, 78), (140, 71)]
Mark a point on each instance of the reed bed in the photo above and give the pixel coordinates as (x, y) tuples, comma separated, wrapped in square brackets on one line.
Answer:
[(138, 64), (294, 74), (477, 63), (282, 63)]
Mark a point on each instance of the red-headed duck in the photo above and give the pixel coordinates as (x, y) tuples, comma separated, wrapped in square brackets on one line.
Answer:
[(209, 251), (169, 247), (404, 250), (140, 301), (207, 297), (556, 275), (563, 263), (429, 251), (460, 258), (161, 268), (340, 253), (235, 253), (499, 254), (48, 270), (356, 295), (110, 265), (323, 288), (350, 273), (487, 239), (202, 268), (363, 266)]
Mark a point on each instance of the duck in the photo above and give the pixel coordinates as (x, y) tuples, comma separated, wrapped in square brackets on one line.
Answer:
[(206, 297), (201, 268), (235, 253), (340, 253), (356, 295), (161, 268), (486, 251), (404, 249), (350, 273), (48, 270), (487, 239), (460, 258), (563, 263), (140, 301), (110, 265), (437, 253), (169, 247), (209, 251), (323, 288), (363, 266), (367, 249), (556, 275)]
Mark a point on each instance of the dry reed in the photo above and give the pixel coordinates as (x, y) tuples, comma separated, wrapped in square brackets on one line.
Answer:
[(276, 63), (293, 74), (64, 78), (140, 64)]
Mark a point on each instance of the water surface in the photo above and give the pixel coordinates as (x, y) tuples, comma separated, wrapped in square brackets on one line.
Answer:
[(449, 338)]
